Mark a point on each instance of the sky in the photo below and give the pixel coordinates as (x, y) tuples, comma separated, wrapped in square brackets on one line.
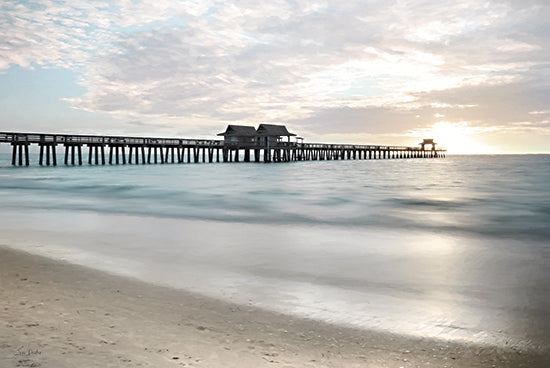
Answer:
[(472, 74)]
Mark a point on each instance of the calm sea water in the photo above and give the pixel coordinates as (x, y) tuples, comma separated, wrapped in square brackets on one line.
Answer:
[(453, 248)]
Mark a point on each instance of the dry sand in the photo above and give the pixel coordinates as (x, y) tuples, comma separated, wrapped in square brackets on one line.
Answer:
[(55, 314)]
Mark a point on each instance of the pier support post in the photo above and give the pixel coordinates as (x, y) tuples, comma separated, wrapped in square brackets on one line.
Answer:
[(20, 155), (47, 155), (196, 154), (27, 161), (102, 154), (14, 154), (210, 154)]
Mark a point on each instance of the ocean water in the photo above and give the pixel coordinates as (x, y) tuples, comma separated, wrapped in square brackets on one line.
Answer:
[(455, 248)]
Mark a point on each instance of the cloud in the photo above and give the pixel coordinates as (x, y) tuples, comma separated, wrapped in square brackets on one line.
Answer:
[(494, 104), (369, 120), (364, 67)]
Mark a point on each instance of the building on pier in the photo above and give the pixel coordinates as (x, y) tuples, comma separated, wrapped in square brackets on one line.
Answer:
[(270, 134), (426, 142), (265, 135), (239, 134)]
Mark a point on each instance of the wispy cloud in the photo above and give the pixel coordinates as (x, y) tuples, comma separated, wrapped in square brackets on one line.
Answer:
[(317, 64)]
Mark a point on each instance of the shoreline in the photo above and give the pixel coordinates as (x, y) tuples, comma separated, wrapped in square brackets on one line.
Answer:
[(57, 314)]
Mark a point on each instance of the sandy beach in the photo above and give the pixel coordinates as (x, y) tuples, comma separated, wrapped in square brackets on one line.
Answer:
[(55, 314)]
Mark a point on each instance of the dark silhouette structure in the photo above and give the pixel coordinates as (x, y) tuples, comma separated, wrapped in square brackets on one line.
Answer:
[(239, 134), (269, 134), (427, 142), (265, 144)]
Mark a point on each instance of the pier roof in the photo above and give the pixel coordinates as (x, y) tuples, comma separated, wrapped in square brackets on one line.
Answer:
[(274, 130), (239, 130)]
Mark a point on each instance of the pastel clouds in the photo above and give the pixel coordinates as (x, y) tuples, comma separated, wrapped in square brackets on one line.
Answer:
[(356, 67)]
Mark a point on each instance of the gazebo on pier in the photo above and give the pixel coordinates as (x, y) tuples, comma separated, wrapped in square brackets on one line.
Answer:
[(269, 134), (267, 137), (427, 142), (239, 134)]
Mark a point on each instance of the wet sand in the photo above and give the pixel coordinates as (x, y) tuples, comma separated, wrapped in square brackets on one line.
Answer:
[(55, 314)]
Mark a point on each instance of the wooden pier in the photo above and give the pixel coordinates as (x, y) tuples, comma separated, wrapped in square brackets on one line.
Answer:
[(116, 150)]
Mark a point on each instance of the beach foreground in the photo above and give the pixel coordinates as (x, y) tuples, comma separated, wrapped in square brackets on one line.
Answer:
[(55, 314)]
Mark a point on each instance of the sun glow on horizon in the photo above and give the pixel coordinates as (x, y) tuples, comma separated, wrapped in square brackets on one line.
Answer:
[(458, 138)]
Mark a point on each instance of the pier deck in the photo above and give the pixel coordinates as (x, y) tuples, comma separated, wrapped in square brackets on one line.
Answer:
[(143, 150)]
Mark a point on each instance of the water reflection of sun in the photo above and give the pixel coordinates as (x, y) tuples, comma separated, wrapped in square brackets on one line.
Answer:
[(458, 138)]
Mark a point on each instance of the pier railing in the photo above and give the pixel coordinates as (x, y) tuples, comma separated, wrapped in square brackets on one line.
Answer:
[(181, 150), (94, 139)]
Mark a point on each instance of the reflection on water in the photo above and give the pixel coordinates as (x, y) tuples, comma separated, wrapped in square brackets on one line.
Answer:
[(455, 248)]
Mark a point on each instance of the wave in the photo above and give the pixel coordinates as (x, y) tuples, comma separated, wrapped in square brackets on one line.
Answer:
[(345, 195)]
